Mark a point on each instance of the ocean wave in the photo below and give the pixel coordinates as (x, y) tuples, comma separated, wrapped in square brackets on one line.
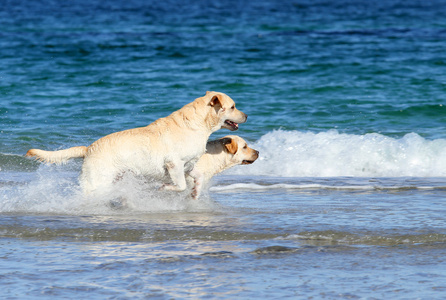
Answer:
[(262, 184), (371, 238), (332, 154), (365, 187), (325, 154), (306, 239)]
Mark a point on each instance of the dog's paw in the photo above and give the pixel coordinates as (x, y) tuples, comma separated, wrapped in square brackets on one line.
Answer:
[(171, 187)]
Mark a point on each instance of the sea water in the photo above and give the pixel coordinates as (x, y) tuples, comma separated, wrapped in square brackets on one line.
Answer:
[(346, 107)]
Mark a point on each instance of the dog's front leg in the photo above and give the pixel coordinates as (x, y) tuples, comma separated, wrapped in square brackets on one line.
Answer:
[(176, 173), (198, 183)]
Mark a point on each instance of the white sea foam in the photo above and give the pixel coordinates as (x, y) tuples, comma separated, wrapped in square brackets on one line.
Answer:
[(328, 154), (53, 191)]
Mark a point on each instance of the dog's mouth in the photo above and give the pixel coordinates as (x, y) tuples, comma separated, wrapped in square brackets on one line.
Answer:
[(253, 158), (231, 125)]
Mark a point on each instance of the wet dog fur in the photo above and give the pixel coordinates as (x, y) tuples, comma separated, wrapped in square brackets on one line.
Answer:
[(167, 149), (221, 155)]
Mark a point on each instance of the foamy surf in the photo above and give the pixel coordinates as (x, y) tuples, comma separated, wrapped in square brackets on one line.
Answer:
[(332, 154), (52, 191), (239, 183), (325, 154)]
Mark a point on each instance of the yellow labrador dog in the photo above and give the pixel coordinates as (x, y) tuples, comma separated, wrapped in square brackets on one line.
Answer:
[(221, 155), (166, 150)]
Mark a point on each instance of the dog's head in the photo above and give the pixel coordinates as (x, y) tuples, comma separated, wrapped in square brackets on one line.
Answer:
[(224, 113), (238, 148)]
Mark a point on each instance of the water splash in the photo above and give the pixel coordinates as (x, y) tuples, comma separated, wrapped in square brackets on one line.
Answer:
[(51, 190)]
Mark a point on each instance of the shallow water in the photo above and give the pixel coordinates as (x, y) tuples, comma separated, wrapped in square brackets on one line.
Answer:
[(307, 237), (345, 105)]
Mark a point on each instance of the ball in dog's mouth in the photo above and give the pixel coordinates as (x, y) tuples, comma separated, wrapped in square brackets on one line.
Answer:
[(232, 125)]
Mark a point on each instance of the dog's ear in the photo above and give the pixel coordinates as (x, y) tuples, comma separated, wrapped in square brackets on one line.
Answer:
[(230, 145), (215, 101)]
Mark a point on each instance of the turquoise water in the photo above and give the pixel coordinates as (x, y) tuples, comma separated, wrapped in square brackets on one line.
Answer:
[(346, 106)]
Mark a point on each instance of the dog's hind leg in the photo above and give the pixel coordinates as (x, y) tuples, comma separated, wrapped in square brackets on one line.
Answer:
[(96, 180), (176, 173)]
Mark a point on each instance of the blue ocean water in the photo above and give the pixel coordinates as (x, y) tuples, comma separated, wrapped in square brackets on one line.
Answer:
[(346, 105), (72, 73)]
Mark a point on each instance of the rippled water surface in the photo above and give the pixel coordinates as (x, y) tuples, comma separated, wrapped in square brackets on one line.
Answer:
[(346, 106)]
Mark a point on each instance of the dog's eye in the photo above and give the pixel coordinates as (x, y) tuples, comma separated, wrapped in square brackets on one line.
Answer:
[(245, 147), (233, 107)]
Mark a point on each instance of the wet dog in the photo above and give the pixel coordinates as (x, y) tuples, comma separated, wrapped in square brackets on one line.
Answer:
[(167, 149), (221, 155)]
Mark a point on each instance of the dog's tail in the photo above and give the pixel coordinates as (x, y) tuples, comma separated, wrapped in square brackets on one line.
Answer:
[(57, 157)]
